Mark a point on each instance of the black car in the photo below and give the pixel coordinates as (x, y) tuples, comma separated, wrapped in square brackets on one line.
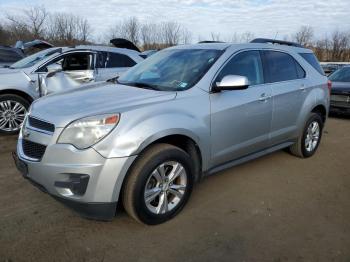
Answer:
[(10, 55), (340, 94)]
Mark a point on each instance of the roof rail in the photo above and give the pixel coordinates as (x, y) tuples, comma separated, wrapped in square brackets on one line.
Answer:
[(209, 42), (273, 41)]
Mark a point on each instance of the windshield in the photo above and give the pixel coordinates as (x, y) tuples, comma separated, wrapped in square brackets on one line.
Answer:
[(35, 58), (341, 75), (171, 70)]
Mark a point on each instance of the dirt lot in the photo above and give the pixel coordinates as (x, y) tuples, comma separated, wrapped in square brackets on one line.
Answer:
[(276, 208)]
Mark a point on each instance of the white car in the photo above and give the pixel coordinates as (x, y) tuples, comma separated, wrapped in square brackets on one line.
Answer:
[(19, 85)]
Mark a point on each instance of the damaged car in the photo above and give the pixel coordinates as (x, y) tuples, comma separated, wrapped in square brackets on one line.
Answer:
[(60, 68)]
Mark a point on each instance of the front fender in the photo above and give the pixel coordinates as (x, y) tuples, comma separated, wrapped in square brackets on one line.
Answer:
[(143, 126)]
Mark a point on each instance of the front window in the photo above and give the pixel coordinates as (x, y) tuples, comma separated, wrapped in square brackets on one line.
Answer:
[(341, 75), (171, 70), (35, 58)]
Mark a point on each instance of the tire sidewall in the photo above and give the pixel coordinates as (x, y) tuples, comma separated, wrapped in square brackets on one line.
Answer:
[(140, 206), (312, 118)]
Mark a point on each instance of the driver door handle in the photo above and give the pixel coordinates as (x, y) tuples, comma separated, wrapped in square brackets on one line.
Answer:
[(264, 97)]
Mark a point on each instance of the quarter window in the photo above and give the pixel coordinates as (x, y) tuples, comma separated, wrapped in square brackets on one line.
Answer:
[(281, 67), (248, 64), (119, 60)]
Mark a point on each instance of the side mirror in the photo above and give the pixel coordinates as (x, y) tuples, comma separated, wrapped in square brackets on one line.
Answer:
[(232, 82), (53, 68)]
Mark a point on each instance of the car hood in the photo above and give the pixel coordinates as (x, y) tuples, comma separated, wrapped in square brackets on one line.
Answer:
[(13, 78), (62, 108), (340, 88)]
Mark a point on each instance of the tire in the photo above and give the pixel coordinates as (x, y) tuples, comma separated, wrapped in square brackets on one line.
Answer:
[(12, 107), (141, 180), (301, 148)]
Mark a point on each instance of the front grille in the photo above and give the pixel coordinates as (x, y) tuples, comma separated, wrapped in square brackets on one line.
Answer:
[(39, 124), (33, 150)]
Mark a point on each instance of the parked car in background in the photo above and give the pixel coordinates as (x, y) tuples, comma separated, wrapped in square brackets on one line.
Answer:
[(19, 85), (10, 55), (340, 96), (182, 113)]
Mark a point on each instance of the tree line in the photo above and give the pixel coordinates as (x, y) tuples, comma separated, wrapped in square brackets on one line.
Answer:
[(68, 29)]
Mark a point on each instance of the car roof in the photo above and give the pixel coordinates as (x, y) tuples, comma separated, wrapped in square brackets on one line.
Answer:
[(101, 48), (224, 46)]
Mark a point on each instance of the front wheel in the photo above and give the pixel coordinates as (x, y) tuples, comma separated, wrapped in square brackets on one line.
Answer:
[(310, 138), (159, 184), (13, 110)]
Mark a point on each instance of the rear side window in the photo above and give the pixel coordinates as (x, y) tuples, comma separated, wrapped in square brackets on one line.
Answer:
[(312, 60), (9, 56), (119, 60), (280, 67)]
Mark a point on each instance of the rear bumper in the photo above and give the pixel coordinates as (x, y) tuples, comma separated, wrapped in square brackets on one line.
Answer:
[(339, 108)]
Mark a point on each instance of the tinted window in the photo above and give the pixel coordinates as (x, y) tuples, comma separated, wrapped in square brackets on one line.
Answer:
[(281, 67), (101, 60), (246, 64), (312, 60), (341, 75), (9, 56), (119, 60)]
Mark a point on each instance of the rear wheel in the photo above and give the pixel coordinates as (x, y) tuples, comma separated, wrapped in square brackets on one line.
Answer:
[(13, 110), (159, 184), (310, 138)]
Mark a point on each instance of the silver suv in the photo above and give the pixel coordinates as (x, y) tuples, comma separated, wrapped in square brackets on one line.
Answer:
[(181, 114)]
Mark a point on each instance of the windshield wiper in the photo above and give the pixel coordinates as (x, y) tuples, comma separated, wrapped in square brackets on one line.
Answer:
[(141, 85)]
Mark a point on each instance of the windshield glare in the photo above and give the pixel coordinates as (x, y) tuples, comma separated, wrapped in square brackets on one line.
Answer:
[(341, 75), (33, 59), (171, 70)]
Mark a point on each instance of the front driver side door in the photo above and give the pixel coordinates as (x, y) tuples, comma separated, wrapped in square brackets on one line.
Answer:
[(240, 119)]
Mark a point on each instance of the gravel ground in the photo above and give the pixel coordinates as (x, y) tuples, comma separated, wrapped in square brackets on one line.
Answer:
[(276, 208)]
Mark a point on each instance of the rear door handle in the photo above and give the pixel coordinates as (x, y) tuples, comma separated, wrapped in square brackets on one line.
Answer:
[(264, 97), (302, 87)]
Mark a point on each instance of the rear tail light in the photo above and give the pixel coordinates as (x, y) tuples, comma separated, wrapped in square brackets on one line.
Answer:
[(329, 84)]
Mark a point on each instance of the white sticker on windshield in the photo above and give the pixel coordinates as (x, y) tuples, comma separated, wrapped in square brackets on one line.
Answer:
[(182, 85)]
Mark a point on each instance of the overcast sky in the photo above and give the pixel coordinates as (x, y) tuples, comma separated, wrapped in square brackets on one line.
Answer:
[(264, 18)]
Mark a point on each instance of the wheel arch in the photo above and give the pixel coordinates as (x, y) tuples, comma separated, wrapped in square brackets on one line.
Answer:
[(20, 93), (185, 142)]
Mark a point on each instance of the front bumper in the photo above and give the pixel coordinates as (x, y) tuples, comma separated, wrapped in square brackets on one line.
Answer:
[(82, 179)]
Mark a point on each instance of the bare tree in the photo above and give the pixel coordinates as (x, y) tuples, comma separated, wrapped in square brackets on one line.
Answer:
[(29, 24), (340, 45), (304, 36), (68, 29)]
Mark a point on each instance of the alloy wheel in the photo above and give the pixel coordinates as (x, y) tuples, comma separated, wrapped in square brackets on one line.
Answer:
[(165, 187), (312, 136), (12, 114)]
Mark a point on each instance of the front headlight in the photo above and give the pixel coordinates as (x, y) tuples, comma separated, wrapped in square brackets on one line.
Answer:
[(86, 132)]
